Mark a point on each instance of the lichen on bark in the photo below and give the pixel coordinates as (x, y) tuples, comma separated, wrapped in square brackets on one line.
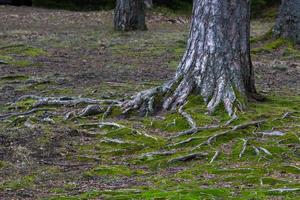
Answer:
[(217, 63)]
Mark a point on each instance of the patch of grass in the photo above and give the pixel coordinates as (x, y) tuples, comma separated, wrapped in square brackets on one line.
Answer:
[(22, 50), (112, 171), (21, 183), (273, 45), (25, 104), (34, 52), (22, 63)]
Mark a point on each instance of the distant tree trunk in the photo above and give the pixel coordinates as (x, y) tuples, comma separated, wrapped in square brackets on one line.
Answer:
[(130, 15), (288, 21), (216, 64)]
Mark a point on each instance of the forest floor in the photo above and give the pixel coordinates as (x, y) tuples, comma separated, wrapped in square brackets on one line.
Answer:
[(55, 53)]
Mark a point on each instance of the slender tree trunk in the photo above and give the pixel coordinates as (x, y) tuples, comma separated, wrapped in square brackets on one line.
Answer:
[(288, 21), (130, 15), (216, 64)]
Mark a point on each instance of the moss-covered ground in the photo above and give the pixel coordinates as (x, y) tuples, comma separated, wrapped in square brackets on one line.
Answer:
[(62, 53)]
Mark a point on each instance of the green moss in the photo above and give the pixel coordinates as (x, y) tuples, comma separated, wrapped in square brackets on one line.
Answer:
[(22, 50), (3, 164), (34, 52), (22, 63), (7, 59), (273, 45), (112, 171), (25, 104), (20, 183)]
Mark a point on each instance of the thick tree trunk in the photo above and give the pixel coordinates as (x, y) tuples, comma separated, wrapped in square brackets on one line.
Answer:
[(216, 64), (288, 21), (130, 15)]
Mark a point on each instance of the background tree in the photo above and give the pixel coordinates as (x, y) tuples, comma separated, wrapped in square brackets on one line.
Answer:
[(130, 15), (216, 64), (288, 21)]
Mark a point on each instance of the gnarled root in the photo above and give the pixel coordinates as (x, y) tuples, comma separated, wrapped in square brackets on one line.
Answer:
[(63, 101)]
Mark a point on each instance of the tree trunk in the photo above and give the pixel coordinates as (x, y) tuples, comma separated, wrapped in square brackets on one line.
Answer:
[(288, 21), (130, 15), (216, 64)]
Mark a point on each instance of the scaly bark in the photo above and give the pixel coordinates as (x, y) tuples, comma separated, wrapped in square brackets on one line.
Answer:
[(288, 21), (130, 15), (216, 64)]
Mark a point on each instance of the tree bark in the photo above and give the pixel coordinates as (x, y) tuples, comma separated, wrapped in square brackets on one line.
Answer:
[(216, 65), (130, 15), (288, 21)]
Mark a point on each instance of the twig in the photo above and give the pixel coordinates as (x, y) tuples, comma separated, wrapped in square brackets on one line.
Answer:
[(244, 148), (217, 153)]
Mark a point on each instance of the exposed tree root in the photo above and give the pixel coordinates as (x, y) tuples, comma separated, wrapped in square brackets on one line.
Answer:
[(189, 157), (235, 128), (271, 133), (243, 148), (90, 110), (108, 111), (217, 153), (188, 117), (256, 150), (186, 141), (195, 130), (115, 141), (29, 112), (282, 190), (63, 101), (118, 126), (265, 151), (158, 153), (3, 62)]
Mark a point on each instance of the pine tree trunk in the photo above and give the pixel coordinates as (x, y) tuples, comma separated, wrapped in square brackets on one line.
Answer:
[(130, 15), (216, 64), (288, 21)]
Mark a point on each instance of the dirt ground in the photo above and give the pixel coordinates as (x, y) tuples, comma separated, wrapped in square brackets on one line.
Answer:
[(64, 53)]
